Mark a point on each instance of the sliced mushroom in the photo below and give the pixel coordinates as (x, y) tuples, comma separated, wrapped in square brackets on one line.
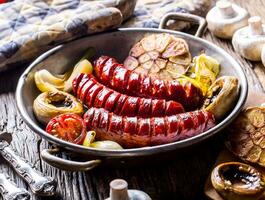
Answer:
[(237, 181), (221, 96), (50, 104)]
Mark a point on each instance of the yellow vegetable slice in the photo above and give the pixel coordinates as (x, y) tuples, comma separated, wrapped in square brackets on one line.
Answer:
[(45, 81), (202, 73), (212, 64), (106, 145), (90, 137), (84, 66)]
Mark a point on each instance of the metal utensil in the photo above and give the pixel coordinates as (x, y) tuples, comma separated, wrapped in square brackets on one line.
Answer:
[(39, 184), (10, 191)]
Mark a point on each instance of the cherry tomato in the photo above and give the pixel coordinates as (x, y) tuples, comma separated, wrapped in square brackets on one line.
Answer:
[(69, 127)]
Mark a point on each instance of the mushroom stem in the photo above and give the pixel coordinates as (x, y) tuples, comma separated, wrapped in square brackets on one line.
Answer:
[(255, 25), (119, 190), (226, 8)]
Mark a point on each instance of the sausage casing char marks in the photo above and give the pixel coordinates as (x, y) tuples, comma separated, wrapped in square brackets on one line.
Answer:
[(112, 74), (139, 132), (136, 110), (94, 94)]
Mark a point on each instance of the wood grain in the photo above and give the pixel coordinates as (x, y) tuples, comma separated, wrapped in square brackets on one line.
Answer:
[(181, 177)]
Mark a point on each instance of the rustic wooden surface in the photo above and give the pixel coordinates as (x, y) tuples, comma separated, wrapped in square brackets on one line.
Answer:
[(181, 177)]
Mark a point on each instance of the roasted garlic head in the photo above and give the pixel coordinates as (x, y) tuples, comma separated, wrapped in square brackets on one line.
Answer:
[(246, 138)]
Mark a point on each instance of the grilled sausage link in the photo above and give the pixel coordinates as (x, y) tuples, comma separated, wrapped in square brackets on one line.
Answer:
[(140, 132), (94, 94), (109, 72)]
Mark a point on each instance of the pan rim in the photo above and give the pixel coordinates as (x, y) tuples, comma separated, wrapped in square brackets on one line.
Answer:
[(143, 150)]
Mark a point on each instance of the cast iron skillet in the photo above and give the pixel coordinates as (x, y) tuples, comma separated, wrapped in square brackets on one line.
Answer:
[(117, 44)]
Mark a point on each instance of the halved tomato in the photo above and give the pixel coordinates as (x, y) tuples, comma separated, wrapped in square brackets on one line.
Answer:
[(69, 127)]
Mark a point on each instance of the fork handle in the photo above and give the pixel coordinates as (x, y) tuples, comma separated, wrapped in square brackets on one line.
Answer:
[(10, 191), (39, 184)]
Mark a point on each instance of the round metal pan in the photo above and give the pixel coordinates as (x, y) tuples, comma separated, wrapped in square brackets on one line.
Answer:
[(117, 44)]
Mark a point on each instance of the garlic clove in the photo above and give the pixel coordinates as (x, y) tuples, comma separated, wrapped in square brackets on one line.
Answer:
[(248, 41), (106, 145), (225, 18)]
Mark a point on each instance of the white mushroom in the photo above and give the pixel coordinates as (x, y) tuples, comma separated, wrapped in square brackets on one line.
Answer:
[(248, 41), (263, 57), (119, 191), (225, 18)]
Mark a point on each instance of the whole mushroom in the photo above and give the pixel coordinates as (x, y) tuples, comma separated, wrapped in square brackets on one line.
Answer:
[(248, 41), (225, 18)]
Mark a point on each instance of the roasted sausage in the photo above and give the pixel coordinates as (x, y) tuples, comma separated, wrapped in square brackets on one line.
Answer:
[(140, 132), (94, 94), (112, 74)]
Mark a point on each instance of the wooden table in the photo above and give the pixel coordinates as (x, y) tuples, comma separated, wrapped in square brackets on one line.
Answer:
[(181, 177)]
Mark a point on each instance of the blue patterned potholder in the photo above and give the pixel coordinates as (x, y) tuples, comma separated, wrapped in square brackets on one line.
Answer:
[(30, 27)]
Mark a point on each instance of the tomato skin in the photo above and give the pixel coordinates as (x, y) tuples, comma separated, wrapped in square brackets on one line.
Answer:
[(69, 127)]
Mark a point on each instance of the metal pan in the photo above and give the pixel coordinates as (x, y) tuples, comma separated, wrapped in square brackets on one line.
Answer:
[(117, 44)]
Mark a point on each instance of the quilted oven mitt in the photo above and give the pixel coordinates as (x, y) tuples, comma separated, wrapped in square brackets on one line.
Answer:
[(148, 13), (30, 27)]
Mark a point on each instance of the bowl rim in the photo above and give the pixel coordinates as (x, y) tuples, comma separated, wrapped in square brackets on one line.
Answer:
[(143, 150)]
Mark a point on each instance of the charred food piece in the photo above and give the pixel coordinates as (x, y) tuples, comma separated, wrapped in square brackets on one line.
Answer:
[(237, 181)]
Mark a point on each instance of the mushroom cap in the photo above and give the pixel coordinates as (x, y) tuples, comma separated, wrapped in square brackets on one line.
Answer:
[(247, 45), (225, 27), (235, 180)]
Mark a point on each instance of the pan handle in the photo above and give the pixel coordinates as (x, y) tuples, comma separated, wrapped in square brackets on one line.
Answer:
[(48, 156), (185, 17)]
